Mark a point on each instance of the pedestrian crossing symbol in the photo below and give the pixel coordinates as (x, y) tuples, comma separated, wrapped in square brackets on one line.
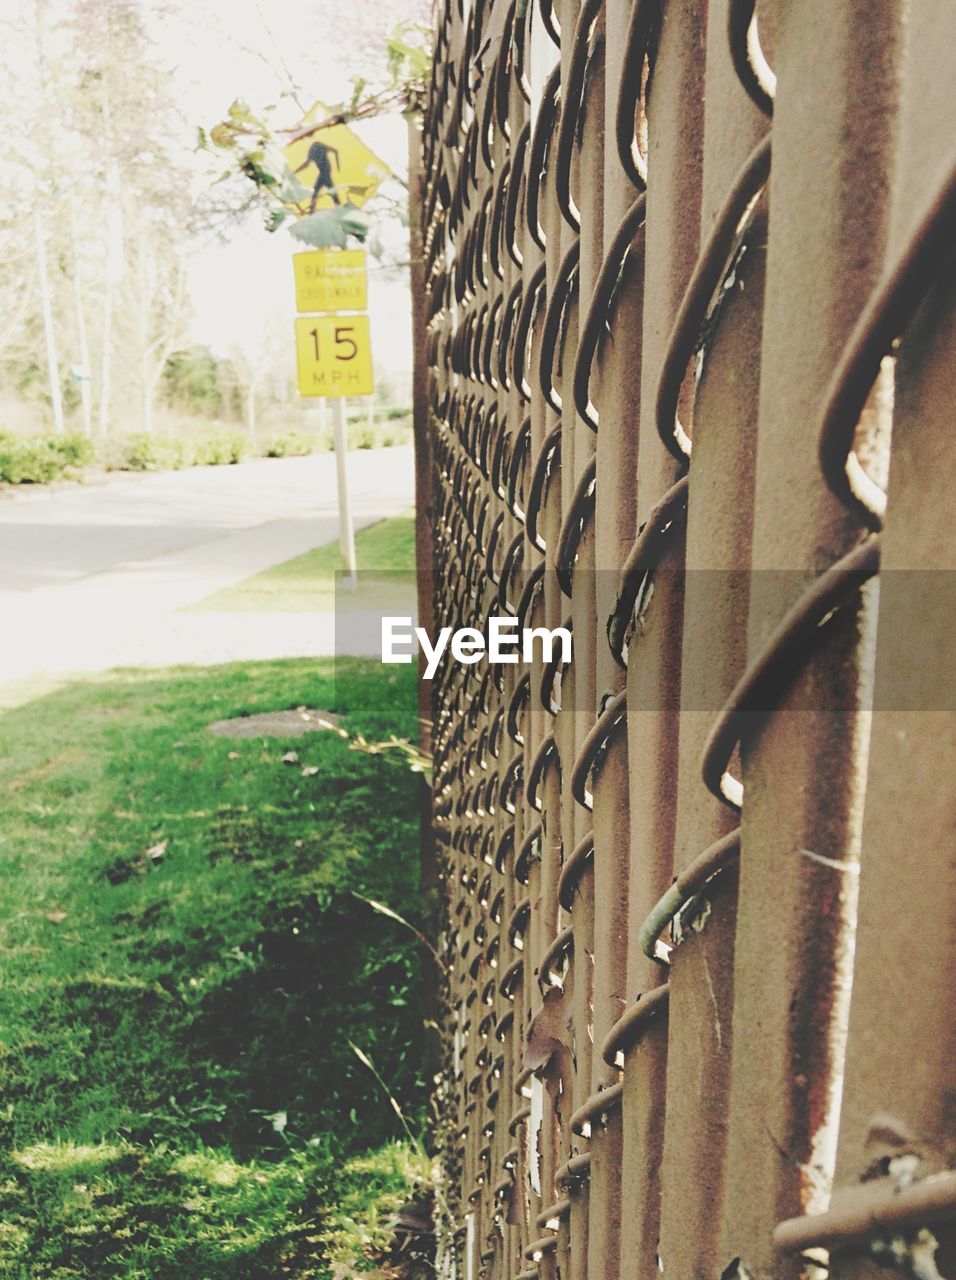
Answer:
[(334, 164)]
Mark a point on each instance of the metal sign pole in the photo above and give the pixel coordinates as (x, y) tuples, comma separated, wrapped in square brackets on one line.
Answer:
[(346, 527)]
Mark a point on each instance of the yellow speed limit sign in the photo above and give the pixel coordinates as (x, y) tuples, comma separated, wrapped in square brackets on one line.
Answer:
[(334, 355)]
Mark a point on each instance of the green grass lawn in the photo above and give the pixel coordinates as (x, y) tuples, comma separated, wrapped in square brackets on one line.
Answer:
[(385, 553), (184, 965)]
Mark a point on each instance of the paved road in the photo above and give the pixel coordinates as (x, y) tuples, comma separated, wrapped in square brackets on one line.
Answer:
[(92, 577)]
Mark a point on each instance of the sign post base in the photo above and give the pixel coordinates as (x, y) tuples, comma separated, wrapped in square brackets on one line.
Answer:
[(349, 580)]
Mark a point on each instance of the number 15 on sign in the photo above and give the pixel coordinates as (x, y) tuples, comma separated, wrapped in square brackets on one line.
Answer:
[(334, 355)]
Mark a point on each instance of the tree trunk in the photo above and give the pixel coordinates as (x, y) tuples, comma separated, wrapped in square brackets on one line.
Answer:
[(84, 352), (56, 400), (114, 271), (105, 362), (148, 415)]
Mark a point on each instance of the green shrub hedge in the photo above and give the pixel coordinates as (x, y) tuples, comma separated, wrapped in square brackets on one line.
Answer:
[(294, 444), (75, 449), (155, 452), (219, 448), (148, 452), (380, 435), (41, 459)]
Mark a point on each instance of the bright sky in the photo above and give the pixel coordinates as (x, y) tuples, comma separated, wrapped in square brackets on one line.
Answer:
[(218, 50)]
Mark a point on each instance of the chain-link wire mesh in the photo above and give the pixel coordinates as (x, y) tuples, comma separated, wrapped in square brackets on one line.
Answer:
[(691, 398)]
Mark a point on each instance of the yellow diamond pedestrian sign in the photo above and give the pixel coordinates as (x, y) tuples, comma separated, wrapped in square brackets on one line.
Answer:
[(334, 164)]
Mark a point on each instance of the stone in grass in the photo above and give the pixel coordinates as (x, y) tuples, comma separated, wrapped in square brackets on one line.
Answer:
[(278, 724)]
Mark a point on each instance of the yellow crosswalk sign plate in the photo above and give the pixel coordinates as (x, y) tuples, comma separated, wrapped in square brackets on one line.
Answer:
[(330, 280), (334, 356), (335, 164)]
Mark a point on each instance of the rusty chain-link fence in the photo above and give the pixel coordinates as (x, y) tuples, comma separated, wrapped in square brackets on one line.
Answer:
[(693, 398)]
